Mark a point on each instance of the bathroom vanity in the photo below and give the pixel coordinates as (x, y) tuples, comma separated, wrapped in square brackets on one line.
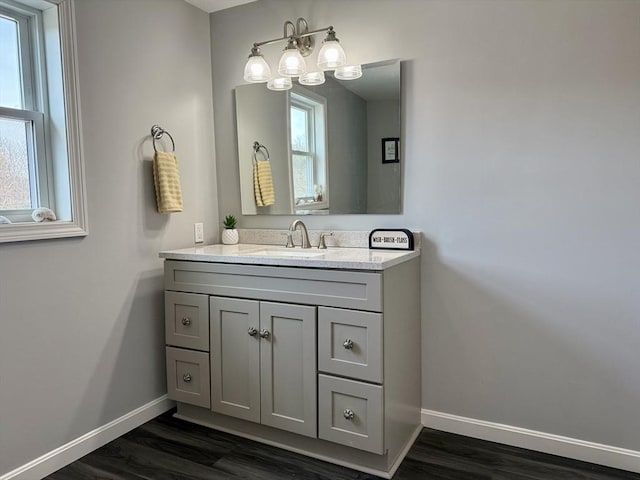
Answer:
[(315, 351)]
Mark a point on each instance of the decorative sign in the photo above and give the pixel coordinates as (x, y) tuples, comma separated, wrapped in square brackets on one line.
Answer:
[(390, 239)]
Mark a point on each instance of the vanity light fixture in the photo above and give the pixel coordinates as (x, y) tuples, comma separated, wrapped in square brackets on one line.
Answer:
[(292, 63), (257, 69)]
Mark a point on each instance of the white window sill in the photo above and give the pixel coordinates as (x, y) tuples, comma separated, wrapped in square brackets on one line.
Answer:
[(16, 232)]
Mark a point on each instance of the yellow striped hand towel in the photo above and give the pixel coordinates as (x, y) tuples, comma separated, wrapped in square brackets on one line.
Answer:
[(166, 179), (263, 184)]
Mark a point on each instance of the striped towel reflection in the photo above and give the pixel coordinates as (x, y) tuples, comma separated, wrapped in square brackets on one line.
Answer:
[(263, 184)]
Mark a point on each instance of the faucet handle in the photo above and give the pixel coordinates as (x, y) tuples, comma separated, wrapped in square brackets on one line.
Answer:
[(322, 245)]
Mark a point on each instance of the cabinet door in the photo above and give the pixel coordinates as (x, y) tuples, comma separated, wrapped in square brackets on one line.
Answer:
[(288, 367), (235, 357)]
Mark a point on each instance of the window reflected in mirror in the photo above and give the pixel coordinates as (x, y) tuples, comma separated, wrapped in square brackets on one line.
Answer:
[(308, 159)]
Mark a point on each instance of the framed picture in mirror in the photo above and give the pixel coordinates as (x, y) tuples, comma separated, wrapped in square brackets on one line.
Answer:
[(390, 153)]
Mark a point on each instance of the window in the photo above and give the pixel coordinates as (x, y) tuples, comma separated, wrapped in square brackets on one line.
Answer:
[(308, 150), (40, 162)]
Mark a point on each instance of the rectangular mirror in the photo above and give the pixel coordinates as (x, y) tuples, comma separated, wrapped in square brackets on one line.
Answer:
[(328, 146)]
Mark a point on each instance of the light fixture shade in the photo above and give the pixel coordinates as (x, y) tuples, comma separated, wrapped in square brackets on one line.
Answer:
[(279, 84), (348, 72), (331, 55), (256, 70), (291, 63), (312, 78)]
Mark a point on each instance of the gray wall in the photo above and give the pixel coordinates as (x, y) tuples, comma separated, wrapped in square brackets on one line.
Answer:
[(82, 319), (521, 143), (383, 179)]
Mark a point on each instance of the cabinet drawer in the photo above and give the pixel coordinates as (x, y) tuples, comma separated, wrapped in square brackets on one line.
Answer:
[(350, 413), (310, 286), (350, 343), (188, 376), (186, 320)]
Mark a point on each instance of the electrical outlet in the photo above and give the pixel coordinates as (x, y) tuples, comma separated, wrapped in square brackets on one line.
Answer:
[(198, 233)]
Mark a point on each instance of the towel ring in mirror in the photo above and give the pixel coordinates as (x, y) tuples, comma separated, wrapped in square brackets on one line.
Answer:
[(257, 146)]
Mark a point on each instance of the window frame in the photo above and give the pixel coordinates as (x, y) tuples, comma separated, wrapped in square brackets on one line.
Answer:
[(34, 108), (70, 161), (316, 108)]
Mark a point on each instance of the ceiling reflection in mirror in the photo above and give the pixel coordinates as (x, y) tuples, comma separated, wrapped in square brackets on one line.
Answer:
[(322, 149)]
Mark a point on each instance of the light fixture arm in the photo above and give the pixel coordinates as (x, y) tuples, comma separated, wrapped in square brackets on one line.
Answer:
[(300, 34), (286, 34), (329, 31)]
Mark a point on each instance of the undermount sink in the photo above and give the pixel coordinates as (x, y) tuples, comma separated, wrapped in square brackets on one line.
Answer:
[(290, 253)]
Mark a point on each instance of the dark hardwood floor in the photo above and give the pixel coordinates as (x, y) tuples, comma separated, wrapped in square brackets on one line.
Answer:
[(168, 448)]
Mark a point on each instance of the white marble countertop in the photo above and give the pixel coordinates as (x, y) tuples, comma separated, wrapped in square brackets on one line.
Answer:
[(332, 257)]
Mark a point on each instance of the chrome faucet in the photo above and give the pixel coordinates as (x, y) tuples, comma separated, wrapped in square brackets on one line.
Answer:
[(303, 230)]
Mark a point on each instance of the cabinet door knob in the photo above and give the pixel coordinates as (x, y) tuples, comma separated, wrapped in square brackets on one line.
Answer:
[(348, 414), (252, 331), (348, 344), (264, 333), (186, 321), (186, 377)]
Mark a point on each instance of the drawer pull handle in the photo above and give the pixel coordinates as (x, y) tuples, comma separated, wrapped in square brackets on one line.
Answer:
[(186, 321), (252, 331), (348, 414), (348, 344), (264, 333), (186, 377)]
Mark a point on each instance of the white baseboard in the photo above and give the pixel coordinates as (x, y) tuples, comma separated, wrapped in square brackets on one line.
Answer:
[(75, 449), (533, 440)]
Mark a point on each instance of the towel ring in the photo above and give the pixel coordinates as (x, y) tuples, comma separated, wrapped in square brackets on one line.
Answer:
[(256, 148), (157, 132)]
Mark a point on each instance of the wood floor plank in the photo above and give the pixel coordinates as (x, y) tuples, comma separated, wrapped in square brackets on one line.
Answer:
[(205, 450), (256, 460), (167, 448), (82, 471), (506, 461)]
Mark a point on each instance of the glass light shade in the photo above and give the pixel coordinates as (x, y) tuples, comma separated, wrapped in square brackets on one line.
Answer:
[(256, 70), (279, 84), (312, 78), (348, 72), (331, 55), (291, 63)]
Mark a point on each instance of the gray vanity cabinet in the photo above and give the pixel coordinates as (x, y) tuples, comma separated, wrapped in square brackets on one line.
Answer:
[(263, 363), (325, 362)]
